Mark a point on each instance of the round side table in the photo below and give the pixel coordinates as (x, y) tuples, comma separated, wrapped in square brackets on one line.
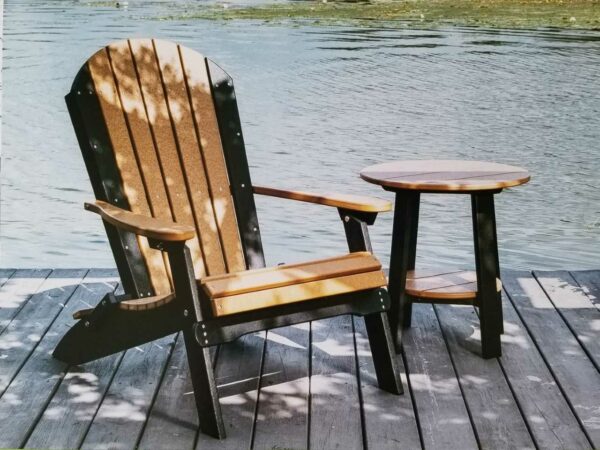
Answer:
[(482, 288)]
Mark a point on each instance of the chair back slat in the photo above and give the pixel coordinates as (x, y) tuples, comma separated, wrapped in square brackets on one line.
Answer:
[(103, 77), (157, 104)]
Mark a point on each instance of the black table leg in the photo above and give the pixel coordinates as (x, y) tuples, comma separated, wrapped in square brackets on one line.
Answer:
[(486, 262), (403, 254)]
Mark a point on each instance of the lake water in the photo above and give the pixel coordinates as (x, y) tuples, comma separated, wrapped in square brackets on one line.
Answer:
[(317, 105)]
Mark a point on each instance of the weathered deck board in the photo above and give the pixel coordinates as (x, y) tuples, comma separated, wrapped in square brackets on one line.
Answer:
[(582, 316), (389, 420), (17, 290), (443, 415), (310, 385), (282, 415), (589, 281), (173, 421), (494, 410), (129, 396), (551, 421), (237, 371), (29, 393), (562, 352), (335, 418), (30, 323)]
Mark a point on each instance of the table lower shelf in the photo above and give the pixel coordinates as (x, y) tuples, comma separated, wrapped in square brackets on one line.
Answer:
[(439, 285)]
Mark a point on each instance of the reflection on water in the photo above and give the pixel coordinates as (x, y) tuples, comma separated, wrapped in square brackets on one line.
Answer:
[(318, 104)]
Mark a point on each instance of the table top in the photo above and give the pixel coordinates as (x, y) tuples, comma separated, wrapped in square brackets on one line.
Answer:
[(444, 175)]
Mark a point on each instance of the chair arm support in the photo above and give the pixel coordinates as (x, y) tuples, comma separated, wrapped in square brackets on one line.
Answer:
[(357, 230), (153, 228), (357, 203)]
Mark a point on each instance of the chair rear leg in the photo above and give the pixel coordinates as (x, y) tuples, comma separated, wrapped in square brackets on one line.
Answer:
[(383, 351), (205, 387)]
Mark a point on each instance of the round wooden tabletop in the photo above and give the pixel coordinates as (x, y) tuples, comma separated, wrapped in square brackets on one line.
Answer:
[(445, 175)]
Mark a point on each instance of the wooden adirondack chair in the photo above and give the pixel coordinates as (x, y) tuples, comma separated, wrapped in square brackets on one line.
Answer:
[(160, 134)]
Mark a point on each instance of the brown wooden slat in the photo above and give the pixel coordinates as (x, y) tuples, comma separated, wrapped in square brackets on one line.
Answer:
[(137, 120), (443, 284), (445, 175), (168, 157), (151, 227), (296, 293), (261, 279), (207, 127), (352, 202), (190, 156), (112, 110)]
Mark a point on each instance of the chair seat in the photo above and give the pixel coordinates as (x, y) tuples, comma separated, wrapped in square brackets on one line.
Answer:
[(289, 283)]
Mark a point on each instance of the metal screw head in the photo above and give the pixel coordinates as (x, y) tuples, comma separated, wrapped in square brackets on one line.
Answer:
[(104, 302), (203, 325), (205, 341), (186, 313), (254, 229), (243, 185), (86, 323), (346, 219), (205, 333)]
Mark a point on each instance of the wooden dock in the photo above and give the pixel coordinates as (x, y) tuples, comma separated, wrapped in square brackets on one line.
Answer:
[(310, 386)]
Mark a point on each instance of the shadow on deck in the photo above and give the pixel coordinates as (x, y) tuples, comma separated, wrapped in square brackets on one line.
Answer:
[(311, 385)]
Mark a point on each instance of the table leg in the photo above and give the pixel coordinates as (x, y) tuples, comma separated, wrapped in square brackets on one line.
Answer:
[(486, 262), (403, 254)]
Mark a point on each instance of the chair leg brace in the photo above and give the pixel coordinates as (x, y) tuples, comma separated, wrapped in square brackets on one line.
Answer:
[(377, 325)]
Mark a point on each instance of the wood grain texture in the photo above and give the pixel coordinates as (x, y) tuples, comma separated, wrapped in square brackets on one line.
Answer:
[(551, 421), (445, 175), (562, 352), (576, 308), (173, 420), (141, 225), (389, 420), (335, 416), (288, 274), (494, 411), (312, 290), (69, 413), (443, 284), (237, 372), (443, 416), (282, 414), (17, 290), (30, 391), (102, 74), (129, 396), (589, 281), (352, 202), (190, 157), (207, 127), (551, 379), (22, 335), (159, 120)]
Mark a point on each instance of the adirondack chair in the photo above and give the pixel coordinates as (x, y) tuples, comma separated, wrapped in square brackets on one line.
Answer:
[(160, 134)]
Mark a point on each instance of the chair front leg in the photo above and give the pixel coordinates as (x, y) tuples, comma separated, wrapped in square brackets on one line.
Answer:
[(199, 359), (377, 324)]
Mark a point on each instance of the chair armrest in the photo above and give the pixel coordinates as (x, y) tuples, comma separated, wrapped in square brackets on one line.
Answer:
[(358, 203), (159, 229)]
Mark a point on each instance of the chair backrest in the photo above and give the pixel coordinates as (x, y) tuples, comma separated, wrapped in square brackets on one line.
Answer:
[(159, 130)]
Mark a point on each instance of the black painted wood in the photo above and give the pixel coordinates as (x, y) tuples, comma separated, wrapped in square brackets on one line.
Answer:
[(377, 324), (237, 164), (403, 254), (98, 155), (486, 262)]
